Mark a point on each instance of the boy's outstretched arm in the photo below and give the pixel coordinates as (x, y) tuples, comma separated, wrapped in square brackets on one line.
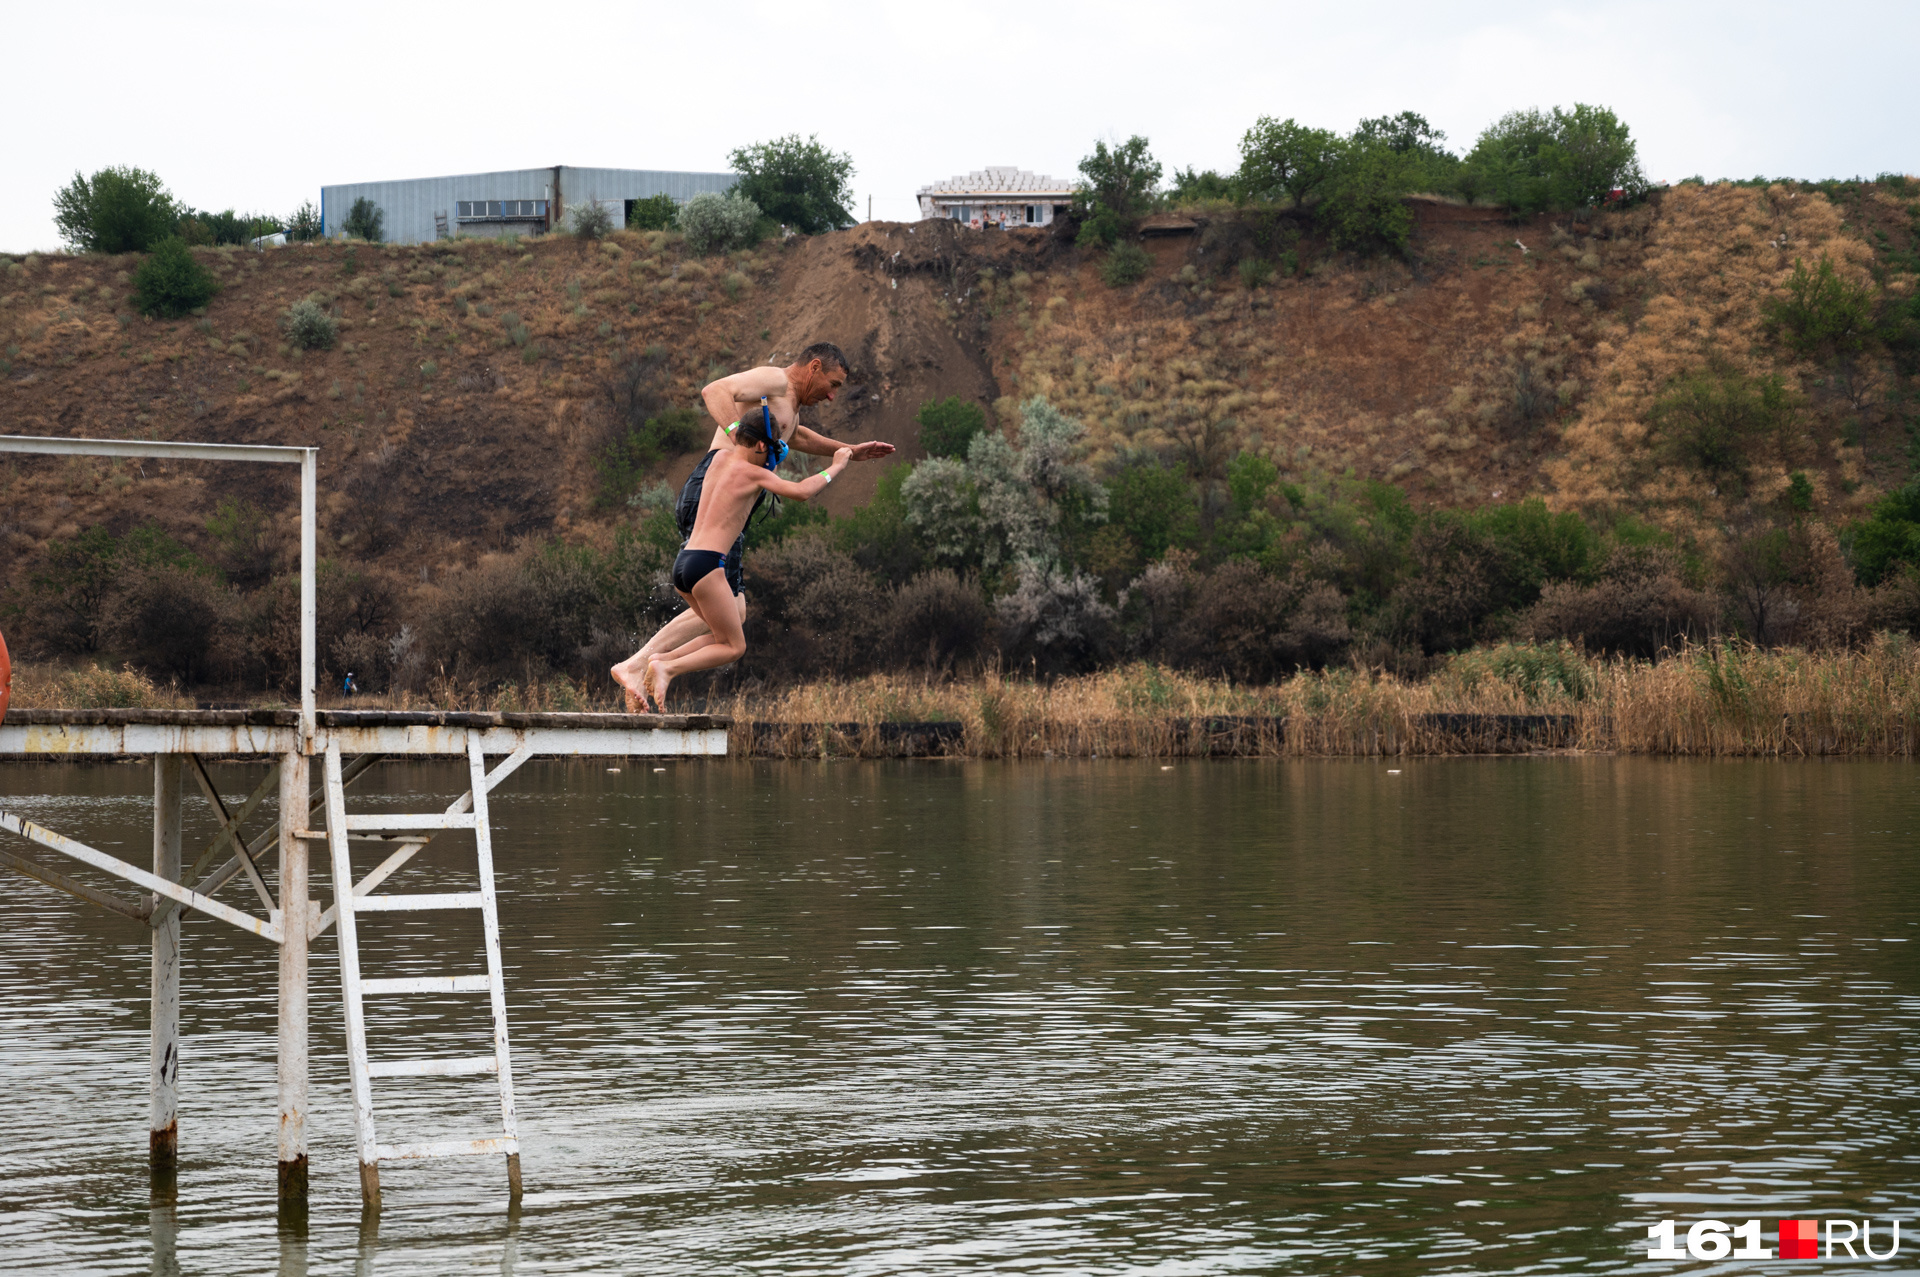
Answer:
[(807, 488)]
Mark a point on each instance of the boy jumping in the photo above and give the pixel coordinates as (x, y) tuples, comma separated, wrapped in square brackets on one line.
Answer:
[(734, 483)]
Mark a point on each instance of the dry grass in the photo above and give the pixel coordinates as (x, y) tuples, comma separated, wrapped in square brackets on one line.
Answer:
[(1717, 700), (1713, 257), (1721, 699), (91, 687)]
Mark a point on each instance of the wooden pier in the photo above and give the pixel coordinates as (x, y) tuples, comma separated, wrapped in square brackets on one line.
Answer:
[(271, 867), (273, 864)]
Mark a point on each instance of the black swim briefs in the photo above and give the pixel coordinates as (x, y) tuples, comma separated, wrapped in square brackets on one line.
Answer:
[(693, 566), (689, 506)]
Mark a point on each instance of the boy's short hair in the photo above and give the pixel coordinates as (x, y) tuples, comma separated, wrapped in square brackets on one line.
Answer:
[(756, 427)]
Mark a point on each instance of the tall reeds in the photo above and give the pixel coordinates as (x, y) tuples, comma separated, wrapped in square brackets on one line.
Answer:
[(1720, 699), (1717, 699)]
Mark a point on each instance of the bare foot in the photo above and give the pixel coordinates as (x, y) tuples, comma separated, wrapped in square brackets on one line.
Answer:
[(656, 682), (633, 690)]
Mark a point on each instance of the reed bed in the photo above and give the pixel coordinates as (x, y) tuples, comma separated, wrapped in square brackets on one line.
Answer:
[(1724, 699), (1714, 700)]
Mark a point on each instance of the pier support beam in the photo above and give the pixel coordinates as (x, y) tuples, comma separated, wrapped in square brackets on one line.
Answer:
[(163, 1141), (296, 927)]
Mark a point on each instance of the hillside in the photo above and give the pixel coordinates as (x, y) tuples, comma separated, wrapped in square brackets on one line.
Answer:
[(462, 411)]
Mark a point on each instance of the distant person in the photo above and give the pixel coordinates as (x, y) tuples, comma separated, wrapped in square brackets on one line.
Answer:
[(349, 687), (813, 378), (737, 478)]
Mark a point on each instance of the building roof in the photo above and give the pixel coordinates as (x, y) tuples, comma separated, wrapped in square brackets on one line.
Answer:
[(1001, 179)]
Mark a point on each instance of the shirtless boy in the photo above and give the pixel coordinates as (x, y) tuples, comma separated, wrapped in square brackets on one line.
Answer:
[(813, 378), (735, 480)]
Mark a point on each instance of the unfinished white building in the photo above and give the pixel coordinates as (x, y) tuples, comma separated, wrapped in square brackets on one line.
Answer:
[(998, 195)]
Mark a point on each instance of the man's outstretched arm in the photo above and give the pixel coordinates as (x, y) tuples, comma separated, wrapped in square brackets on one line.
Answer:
[(808, 441)]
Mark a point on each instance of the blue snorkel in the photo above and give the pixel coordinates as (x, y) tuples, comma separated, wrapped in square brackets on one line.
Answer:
[(776, 447)]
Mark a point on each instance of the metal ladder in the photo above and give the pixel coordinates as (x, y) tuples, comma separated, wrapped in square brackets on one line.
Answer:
[(468, 812)]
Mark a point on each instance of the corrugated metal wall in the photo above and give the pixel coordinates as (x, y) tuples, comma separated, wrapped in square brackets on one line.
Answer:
[(409, 206)]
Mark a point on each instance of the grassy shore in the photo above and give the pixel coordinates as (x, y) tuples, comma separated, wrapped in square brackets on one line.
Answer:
[(1718, 700)]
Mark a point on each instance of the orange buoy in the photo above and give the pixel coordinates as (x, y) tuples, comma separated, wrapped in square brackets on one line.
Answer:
[(6, 678)]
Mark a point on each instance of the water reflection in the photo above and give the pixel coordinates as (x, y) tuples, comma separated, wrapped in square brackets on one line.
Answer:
[(1234, 1017)]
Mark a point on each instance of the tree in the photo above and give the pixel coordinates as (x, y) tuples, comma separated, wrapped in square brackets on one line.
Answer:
[(366, 221), (1531, 160), (1361, 197), (1405, 134), (170, 282), (1122, 179), (1281, 157), (1119, 187), (117, 210), (1191, 187), (800, 184)]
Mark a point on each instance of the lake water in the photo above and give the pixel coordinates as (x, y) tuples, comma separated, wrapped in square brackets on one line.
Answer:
[(1089, 1017)]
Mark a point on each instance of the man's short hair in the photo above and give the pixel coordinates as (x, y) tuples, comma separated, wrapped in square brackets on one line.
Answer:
[(828, 354)]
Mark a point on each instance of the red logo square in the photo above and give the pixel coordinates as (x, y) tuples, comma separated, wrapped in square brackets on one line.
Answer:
[(1799, 1239)]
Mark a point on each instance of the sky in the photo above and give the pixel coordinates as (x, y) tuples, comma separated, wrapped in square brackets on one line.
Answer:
[(257, 109)]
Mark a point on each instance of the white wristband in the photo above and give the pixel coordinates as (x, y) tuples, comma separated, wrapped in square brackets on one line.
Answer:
[(827, 475)]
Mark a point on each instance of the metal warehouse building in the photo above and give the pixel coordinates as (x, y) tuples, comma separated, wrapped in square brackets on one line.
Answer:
[(528, 201)]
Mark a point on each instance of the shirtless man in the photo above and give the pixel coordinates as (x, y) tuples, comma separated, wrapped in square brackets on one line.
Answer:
[(813, 378), (736, 479)]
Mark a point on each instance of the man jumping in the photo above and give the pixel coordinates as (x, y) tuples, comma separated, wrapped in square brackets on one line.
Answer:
[(738, 477), (814, 378)]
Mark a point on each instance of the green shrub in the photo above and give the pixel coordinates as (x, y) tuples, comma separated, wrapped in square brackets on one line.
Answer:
[(1537, 671), (799, 184), (1889, 538), (117, 210), (170, 282), (1254, 272), (1714, 419), (1126, 263), (1799, 493), (626, 463), (783, 520), (654, 213), (305, 225), (591, 220), (947, 426), (310, 327), (717, 223), (366, 221), (1822, 315)]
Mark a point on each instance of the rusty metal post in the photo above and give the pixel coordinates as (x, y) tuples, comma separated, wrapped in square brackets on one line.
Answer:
[(295, 932), (163, 1142)]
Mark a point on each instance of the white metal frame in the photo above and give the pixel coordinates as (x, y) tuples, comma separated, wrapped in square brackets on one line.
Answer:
[(308, 459), (177, 741)]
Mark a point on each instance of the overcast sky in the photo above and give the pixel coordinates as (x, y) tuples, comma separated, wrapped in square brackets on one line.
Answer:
[(257, 107)]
